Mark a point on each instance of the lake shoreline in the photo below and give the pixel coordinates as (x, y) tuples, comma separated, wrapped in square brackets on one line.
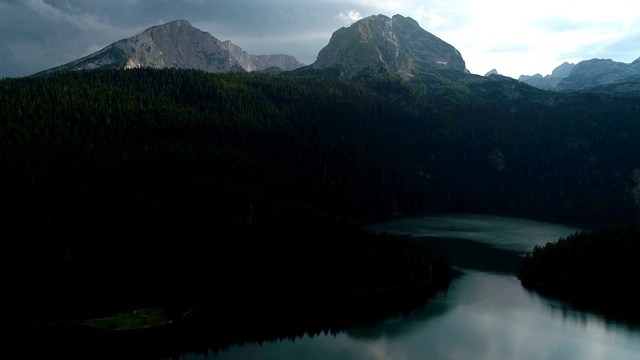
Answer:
[(151, 317)]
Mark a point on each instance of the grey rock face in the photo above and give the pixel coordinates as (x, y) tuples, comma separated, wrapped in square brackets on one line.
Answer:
[(395, 44), (179, 45), (589, 74), (597, 72), (548, 82), (563, 70)]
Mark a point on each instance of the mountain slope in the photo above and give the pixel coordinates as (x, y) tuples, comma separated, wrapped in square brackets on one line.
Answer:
[(177, 45), (602, 75), (548, 82), (396, 44), (595, 72)]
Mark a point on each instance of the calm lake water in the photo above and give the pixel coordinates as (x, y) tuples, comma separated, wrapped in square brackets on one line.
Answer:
[(484, 314)]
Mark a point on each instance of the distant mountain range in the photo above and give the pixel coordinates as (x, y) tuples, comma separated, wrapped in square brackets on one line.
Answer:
[(396, 44), (603, 75), (548, 82), (179, 45), (380, 43)]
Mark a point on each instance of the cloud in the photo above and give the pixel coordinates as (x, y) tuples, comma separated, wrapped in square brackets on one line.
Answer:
[(82, 20), (349, 17), (625, 49), (513, 37), (430, 18)]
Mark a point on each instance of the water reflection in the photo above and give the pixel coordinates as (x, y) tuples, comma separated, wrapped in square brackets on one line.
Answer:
[(482, 315), (581, 313), (485, 314), (398, 327)]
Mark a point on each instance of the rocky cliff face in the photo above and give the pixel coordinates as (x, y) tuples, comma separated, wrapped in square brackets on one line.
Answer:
[(179, 45), (396, 44), (260, 62)]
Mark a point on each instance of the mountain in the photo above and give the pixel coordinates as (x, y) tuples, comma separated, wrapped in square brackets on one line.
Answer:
[(563, 70), (548, 82), (397, 44), (178, 45), (597, 72), (603, 75), (492, 72)]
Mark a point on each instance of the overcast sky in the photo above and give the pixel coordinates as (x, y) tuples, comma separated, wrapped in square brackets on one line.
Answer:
[(514, 37)]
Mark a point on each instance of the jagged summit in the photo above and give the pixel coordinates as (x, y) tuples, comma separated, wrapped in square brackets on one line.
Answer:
[(178, 22), (548, 82), (178, 44), (587, 74), (396, 44), (595, 72)]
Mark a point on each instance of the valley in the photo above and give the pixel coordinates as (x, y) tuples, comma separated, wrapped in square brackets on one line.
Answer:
[(169, 187)]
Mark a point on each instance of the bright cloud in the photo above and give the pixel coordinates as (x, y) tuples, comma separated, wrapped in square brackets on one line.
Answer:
[(524, 38), (429, 18), (349, 17)]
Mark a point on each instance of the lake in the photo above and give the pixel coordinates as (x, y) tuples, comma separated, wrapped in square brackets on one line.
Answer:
[(484, 314)]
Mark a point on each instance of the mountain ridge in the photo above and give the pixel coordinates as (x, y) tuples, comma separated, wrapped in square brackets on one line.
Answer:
[(593, 74), (548, 82), (597, 72), (396, 45), (180, 45)]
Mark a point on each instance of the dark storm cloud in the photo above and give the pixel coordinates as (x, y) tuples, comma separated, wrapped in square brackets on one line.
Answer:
[(41, 34), (38, 35)]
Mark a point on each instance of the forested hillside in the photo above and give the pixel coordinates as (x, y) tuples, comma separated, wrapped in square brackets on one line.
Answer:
[(596, 269), (153, 181)]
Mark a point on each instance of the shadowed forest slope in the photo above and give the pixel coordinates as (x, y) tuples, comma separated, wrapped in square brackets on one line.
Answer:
[(146, 178)]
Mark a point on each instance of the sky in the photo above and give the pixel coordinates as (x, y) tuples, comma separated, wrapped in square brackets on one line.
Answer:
[(514, 37)]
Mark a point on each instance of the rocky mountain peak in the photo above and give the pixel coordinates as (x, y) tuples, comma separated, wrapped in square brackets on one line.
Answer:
[(548, 82), (563, 70), (396, 44), (587, 74), (492, 72), (177, 23), (595, 72), (178, 44)]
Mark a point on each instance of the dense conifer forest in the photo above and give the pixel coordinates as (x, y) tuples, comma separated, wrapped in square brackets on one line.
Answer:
[(595, 269), (140, 186)]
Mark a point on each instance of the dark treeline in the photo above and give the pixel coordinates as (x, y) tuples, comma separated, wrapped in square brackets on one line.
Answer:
[(595, 269), (125, 186), (219, 328)]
